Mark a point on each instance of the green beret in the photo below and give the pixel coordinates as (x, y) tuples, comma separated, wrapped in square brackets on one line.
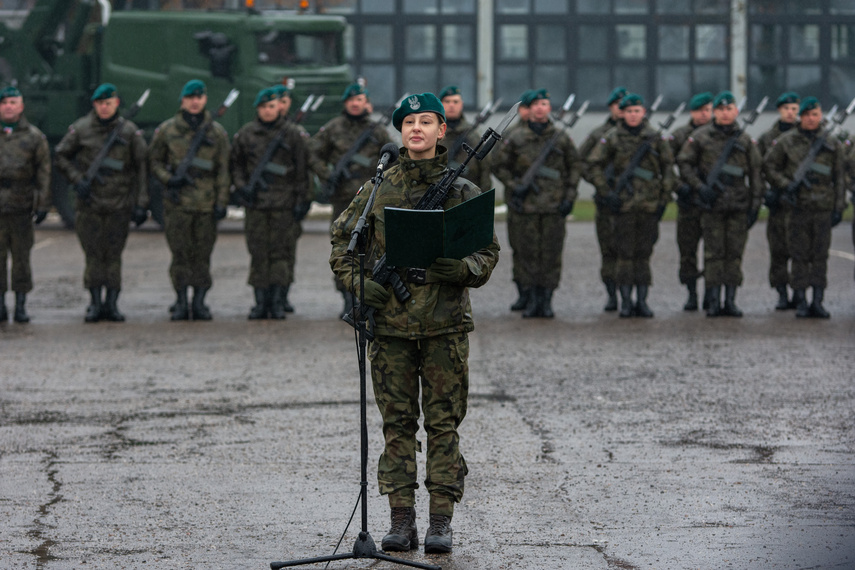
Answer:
[(631, 99), (524, 102), (787, 98), (280, 90), (193, 87), (424, 103), (448, 91), (10, 91), (617, 94), (808, 103), (533, 95), (724, 98), (700, 100), (353, 90), (104, 91), (265, 96)]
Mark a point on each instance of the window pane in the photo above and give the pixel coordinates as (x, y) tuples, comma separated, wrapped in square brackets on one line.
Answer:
[(710, 42), (420, 42), (766, 7), (550, 43), (811, 7), (842, 42), (841, 83), (420, 78), (554, 79), (712, 78), (594, 84), (463, 76), (673, 7), (765, 42), (513, 42), (804, 42), (842, 7), (804, 78), (631, 6), (674, 42), (673, 82), (511, 81), (593, 43), (457, 42), (378, 7), (342, 7), (377, 42), (381, 83), (766, 79), (550, 6), (349, 42), (512, 6), (458, 6), (593, 6), (631, 41), (633, 77), (712, 6), (420, 6)]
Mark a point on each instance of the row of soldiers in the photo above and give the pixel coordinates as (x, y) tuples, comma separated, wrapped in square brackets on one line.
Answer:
[(721, 177)]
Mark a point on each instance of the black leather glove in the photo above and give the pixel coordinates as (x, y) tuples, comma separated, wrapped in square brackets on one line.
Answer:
[(613, 202), (707, 196), (139, 216), (39, 216), (375, 294), (660, 211), (772, 199), (752, 217), (684, 194), (219, 213), (565, 207), (301, 210), (176, 182), (83, 190), (449, 270), (245, 196), (836, 218)]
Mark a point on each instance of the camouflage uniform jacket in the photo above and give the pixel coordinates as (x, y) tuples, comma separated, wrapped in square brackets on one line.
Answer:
[(764, 143), (435, 308), (24, 170), (742, 185), (678, 137), (477, 170), (333, 141), (286, 174), (826, 175), (591, 141), (653, 179), (121, 183), (557, 178), (209, 169)]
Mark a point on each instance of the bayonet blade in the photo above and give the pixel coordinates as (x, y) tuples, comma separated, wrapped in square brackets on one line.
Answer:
[(569, 102), (230, 98), (498, 102), (741, 104), (762, 105), (507, 119), (851, 107), (317, 103), (680, 109), (307, 104), (655, 106), (485, 112), (144, 97), (582, 108)]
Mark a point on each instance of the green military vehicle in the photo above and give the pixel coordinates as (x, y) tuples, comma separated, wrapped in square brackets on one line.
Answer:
[(58, 51)]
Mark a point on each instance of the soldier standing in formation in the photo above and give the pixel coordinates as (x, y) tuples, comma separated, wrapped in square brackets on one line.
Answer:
[(24, 197), (729, 204), (512, 219), (541, 208), (776, 226), (332, 142), (460, 131), (638, 205), (424, 339), (604, 222), (270, 203), (688, 213), (818, 201), (194, 204), (107, 201)]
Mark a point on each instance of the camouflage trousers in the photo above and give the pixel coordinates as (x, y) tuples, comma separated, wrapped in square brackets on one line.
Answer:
[(635, 234), (725, 234), (16, 237), (688, 237), (339, 206), (191, 237), (103, 237), (269, 237), (537, 255), (440, 365), (779, 253), (809, 239), (513, 223), (604, 222)]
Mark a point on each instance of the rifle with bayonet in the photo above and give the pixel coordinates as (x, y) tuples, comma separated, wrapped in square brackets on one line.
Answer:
[(527, 182), (181, 176), (485, 113), (84, 185), (433, 199), (708, 193), (800, 178)]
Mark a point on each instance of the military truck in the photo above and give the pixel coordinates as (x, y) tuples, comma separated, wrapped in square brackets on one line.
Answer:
[(58, 51)]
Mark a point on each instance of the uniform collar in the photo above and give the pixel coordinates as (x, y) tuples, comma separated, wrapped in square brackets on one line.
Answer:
[(424, 171)]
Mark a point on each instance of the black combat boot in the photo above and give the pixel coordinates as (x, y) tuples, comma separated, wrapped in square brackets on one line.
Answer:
[(274, 298), (402, 535), (800, 299), (110, 311), (641, 308), (201, 312), (730, 309), (692, 300), (816, 309), (611, 291), (783, 303), (714, 295), (438, 536), (21, 315), (93, 311), (535, 303), (286, 305), (181, 309), (523, 294), (546, 304), (259, 311), (349, 302), (626, 309), (707, 297)]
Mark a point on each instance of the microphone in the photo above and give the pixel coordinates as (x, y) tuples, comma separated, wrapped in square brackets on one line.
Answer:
[(388, 154)]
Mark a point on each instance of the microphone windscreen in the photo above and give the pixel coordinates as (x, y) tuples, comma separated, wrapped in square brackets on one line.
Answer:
[(392, 150)]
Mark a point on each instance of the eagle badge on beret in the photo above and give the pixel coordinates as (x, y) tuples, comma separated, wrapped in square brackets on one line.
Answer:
[(414, 103)]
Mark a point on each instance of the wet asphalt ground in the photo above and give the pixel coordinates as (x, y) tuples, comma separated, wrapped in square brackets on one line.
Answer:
[(592, 442)]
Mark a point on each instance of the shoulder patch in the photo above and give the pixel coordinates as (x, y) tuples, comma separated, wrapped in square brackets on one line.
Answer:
[(304, 134), (603, 140), (71, 129), (322, 129), (754, 141), (691, 139), (774, 142)]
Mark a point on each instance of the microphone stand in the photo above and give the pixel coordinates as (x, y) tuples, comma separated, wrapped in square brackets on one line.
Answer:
[(364, 547)]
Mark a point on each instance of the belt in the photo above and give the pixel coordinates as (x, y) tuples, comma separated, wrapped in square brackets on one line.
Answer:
[(416, 275)]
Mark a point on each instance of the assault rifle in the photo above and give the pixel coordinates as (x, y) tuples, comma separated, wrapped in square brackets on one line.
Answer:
[(527, 182), (341, 172), (180, 177), (433, 199), (93, 172), (800, 178), (485, 113)]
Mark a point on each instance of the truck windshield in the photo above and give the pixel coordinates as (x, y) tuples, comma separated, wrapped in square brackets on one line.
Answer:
[(277, 47)]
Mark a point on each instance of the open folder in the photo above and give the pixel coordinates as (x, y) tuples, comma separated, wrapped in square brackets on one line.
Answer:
[(416, 238)]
